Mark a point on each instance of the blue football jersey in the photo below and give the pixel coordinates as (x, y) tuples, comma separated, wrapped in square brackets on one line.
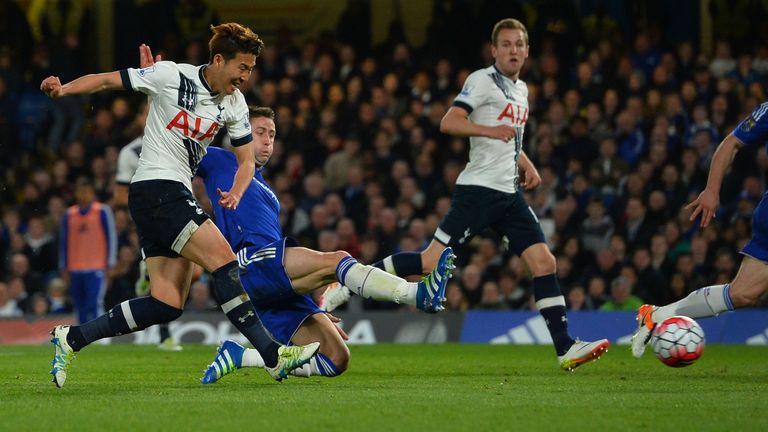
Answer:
[(754, 128), (257, 218)]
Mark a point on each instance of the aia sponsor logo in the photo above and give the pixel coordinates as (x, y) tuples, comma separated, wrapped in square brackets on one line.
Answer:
[(516, 114), (192, 127)]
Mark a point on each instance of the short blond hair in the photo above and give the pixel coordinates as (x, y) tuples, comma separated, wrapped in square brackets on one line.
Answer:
[(508, 23)]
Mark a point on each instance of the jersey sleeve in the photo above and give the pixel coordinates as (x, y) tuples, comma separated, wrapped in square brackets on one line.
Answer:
[(754, 128), (127, 162), (239, 125), (150, 80), (472, 94)]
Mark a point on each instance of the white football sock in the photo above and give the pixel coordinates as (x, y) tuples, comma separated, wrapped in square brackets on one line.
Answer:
[(252, 358), (702, 303), (374, 283)]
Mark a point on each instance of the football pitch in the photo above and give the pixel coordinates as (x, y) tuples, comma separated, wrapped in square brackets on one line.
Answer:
[(388, 387)]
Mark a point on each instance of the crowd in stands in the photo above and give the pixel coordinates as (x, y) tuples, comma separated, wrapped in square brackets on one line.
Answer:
[(622, 126)]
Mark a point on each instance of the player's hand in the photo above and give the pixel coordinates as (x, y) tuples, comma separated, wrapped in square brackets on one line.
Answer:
[(531, 178), (501, 132), (228, 200), (145, 57), (705, 204), (51, 86), (334, 320)]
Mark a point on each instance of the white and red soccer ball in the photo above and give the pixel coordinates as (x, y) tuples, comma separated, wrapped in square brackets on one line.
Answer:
[(678, 341)]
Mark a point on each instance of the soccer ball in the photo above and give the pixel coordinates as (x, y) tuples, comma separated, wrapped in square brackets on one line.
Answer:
[(678, 341)]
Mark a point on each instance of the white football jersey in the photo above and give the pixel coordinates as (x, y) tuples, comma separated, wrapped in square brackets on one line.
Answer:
[(128, 161), (184, 116), (492, 99)]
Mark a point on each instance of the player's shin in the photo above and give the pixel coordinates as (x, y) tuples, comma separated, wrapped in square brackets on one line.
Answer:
[(551, 305), (703, 303), (127, 317), (373, 283), (238, 308)]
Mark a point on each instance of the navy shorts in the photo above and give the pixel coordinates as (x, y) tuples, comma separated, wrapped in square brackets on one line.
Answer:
[(166, 215), (475, 208), (264, 278), (757, 247)]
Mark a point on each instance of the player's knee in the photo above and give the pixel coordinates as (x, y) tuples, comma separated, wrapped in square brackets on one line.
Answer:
[(332, 260), (339, 355), (339, 255), (745, 298), (543, 265)]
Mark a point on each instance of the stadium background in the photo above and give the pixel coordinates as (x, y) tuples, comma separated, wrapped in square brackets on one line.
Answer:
[(628, 101)]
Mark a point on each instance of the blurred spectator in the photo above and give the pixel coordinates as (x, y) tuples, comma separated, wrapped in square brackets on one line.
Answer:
[(596, 291), (200, 298), (650, 283), (38, 305), (319, 220), (8, 306), (577, 299), (455, 299), (122, 277), (88, 248), (20, 268), (471, 284), (597, 228), (621, 298), (40, 248), (58, 300), (491, 299), (17, 291)]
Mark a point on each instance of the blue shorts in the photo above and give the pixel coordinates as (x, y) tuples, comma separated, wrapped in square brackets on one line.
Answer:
[(283, 318), (757, 247), (264, 278)]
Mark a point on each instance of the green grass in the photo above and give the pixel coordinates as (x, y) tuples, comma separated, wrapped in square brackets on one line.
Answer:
[(388, 387)]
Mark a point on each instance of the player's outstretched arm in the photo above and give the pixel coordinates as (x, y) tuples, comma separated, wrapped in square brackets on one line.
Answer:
[(87, 84), (456, 122), (246, 167), (708, 200)]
